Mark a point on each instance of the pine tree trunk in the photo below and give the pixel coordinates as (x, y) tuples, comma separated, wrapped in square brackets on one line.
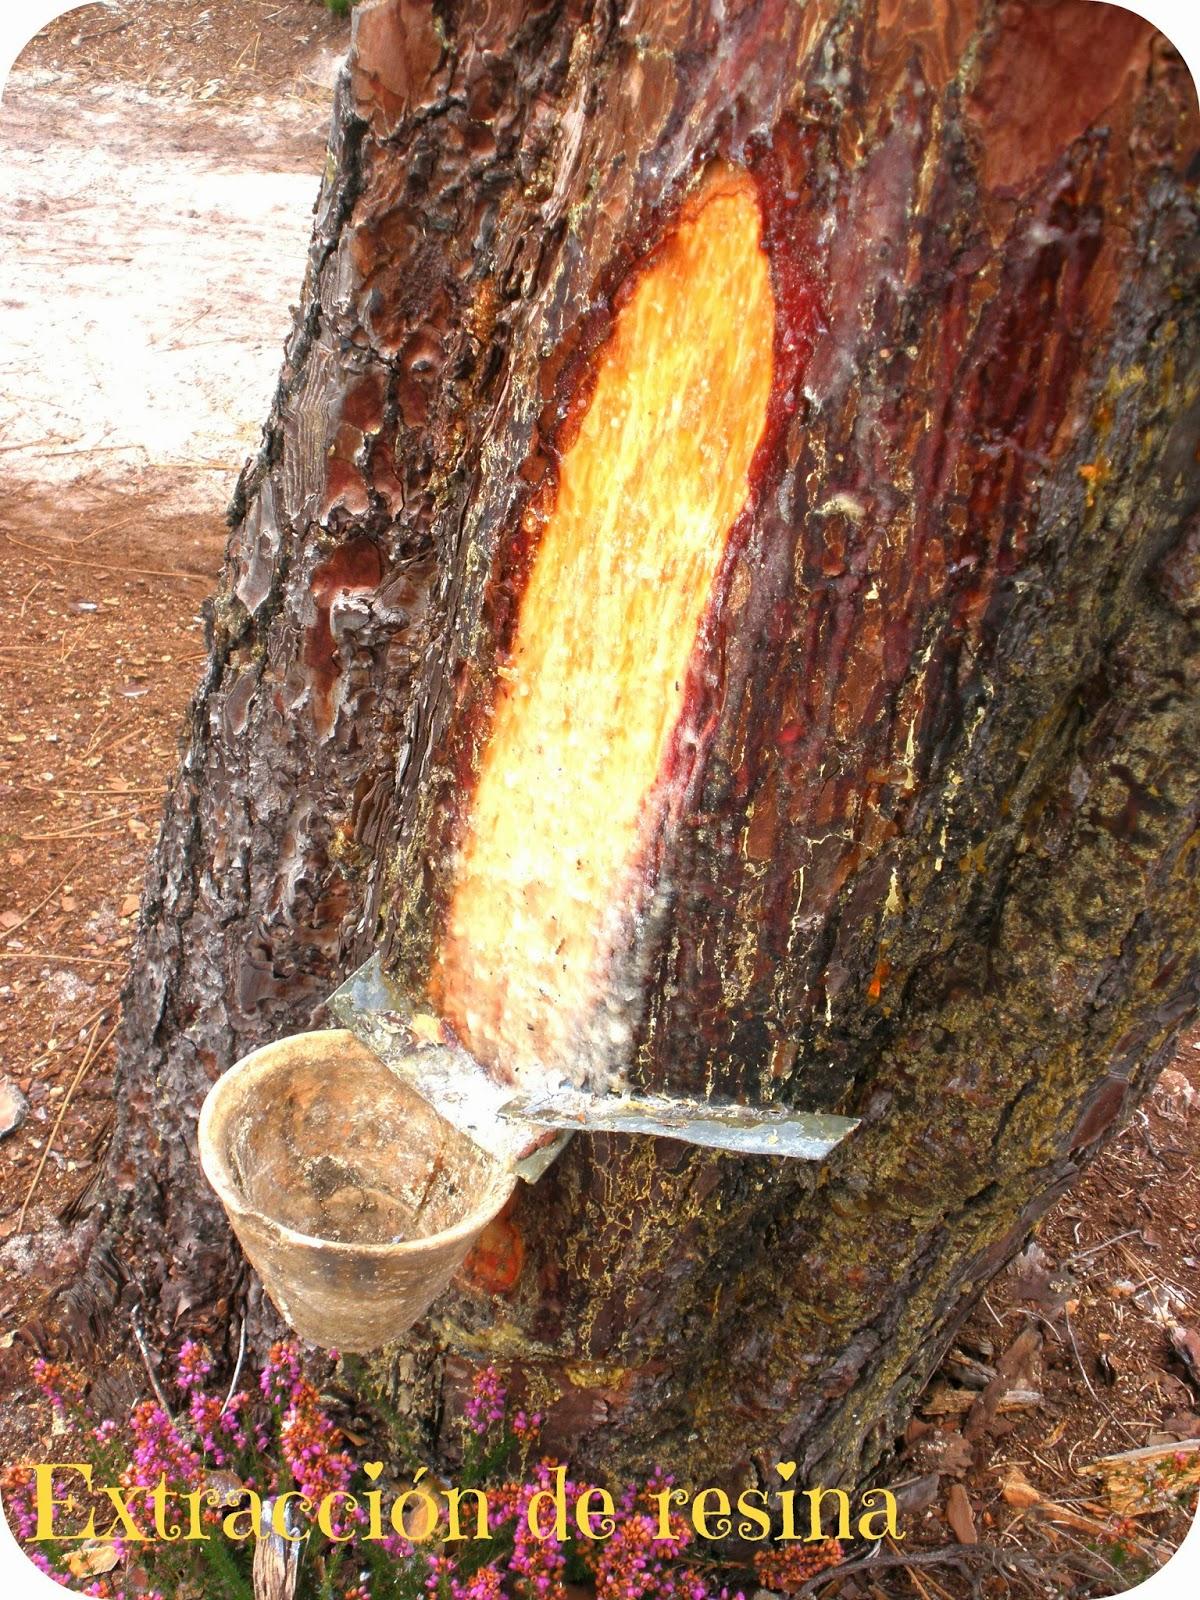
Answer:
[(929, 861)]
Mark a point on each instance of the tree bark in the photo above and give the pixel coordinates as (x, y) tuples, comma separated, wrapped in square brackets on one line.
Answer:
[(932, 861)]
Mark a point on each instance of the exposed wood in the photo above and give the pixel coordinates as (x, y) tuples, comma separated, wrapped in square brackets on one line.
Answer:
[(1139, 1481), (594, 686)]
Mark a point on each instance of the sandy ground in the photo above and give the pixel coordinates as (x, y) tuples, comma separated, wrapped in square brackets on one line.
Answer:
[(150, 250)]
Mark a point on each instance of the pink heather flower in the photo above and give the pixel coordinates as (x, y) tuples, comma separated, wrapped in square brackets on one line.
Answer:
[(538, 1564), (158, 1449), (440, 1568), (192, 1365), (281, 1376), (231, 1416), (486, 1584), (49, 1375), (44, 1564), (204, 1410), (486, 1402), (527, 1427), (634, 1565), (17, 1486), (217, 1428), (309, 1440)]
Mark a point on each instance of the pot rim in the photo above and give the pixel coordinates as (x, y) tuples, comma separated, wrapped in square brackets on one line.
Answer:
[(217, 1170)]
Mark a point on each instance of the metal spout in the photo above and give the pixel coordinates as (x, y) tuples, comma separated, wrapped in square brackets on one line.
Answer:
[(514, 1126)]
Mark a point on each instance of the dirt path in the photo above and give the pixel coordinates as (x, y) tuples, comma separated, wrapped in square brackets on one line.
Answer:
[(151, 246)]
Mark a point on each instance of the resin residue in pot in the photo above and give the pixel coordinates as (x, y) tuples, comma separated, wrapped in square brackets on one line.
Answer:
[(352, 1198)]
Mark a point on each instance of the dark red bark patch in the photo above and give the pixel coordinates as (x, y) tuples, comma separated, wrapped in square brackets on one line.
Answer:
[(353, 566)]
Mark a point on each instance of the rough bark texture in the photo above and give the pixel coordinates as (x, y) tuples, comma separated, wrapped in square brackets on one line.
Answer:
[(936, 864)]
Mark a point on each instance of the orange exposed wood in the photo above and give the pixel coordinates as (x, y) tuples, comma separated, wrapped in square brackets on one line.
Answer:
[(594, 689)]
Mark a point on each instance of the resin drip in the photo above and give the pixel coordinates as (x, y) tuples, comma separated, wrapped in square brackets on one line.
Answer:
[(572, 782)]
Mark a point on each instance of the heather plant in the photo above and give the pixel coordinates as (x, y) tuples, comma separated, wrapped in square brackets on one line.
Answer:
[(194, 1470)]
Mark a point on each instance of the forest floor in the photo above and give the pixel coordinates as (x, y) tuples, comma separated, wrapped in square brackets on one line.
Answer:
[(163, 132), (162, 159)]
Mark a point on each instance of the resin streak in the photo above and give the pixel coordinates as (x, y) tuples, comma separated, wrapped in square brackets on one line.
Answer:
[(596, 684)]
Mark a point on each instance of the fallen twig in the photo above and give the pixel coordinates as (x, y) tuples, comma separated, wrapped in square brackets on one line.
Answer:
[(79, 827), (94, 757), (237, 1370), (918, 1584), (110, 527), (1078, 1357), (7, 933), (107, 566), (144, 1351), (96, 734), (52, 955), (1082, 1255), (951, 1555), (1107, 1410), (89, 1055), (964, 1558), (111, 793), (29, 594)]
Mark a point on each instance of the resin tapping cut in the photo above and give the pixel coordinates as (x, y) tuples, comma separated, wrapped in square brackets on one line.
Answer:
[(575, 779)]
